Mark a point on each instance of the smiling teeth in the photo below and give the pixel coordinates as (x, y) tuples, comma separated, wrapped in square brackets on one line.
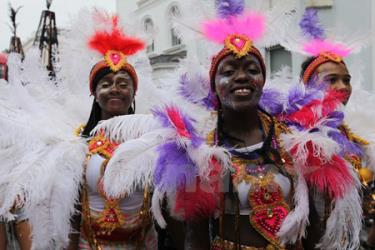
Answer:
[(242, 91)]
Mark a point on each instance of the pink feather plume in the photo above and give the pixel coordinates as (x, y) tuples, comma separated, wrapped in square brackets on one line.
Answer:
[(202, 200), (317, 46), (251, 24)]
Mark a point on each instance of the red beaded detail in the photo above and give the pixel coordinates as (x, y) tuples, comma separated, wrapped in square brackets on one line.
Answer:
[(269, 208), (111, 217), (102, 145), (322, 58)]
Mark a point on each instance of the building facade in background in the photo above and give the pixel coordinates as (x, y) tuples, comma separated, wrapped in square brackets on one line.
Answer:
[(166, 48)]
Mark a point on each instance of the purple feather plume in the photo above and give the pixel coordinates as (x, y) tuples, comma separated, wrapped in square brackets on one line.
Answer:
[(310, 25), (196, 89), (228, 8), (174, 169), (210, 102), (334, 119), (272, 101), (298, 96), (347, 147)]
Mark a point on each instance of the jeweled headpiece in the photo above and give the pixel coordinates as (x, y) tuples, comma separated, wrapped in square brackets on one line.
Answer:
[(319, 46), (115, 46), (236, 30)]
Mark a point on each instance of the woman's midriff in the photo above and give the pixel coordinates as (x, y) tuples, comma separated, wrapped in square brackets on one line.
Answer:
[(248, 235)]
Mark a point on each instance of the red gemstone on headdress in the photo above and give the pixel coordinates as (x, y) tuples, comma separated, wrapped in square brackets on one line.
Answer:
[(115, 58), (238, 42)]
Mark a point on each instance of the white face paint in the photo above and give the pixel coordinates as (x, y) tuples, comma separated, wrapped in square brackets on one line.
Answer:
[(225, 100), (239, 82)]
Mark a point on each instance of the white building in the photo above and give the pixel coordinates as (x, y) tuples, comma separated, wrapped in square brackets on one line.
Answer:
[(165, 49)]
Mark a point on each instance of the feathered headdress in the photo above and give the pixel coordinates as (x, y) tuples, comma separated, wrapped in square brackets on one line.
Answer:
[(319, 46), (115, 46), (236, 30)]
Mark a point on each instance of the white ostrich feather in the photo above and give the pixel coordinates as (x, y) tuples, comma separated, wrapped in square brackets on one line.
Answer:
[(132, 164), (49, 216), (344, 223), (278, 20), (126, 127), (188, 26), (294, 225), (203, 155), (156, 202)]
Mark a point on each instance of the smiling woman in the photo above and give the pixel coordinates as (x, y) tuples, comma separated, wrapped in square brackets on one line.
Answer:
[(239, 82), (113, 83), (115, 93), (265, 201)]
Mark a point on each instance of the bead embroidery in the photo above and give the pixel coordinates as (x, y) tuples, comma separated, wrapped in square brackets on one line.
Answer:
[(111, 217), (269, 208)]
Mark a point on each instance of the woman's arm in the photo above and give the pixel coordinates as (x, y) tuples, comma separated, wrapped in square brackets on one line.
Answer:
[(3, 236), (23, 233)]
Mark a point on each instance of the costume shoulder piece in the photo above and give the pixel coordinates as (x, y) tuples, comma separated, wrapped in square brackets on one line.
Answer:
[(169, 156), (313, 119)]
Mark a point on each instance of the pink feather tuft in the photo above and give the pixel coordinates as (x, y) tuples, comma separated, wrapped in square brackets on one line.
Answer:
[(327, 175), (201, 202), (178, 122), (316, 47), (332, 176), (309, 115), (250, 24)]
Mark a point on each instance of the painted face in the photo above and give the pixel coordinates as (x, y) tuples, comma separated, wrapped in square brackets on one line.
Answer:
[(239, 82), (114, 94), (337, 76)]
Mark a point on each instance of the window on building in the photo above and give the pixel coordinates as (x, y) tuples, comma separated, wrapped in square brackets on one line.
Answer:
[(174, 12), (279, 58), (149, 28), (319, 3)]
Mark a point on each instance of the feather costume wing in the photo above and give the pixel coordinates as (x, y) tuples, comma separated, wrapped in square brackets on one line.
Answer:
[(43, 157)]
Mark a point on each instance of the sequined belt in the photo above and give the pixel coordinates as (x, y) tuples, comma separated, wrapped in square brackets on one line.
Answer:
[(220, 244), (118, 235)]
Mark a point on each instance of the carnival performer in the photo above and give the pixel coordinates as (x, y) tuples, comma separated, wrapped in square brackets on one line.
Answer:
[(112, 223), (47, 195), (281, 153), (326, 66), (127, 155)]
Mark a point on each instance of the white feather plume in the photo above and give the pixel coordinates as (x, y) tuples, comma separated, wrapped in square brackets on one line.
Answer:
[(294, 225), (344, 223), (203, 155), (132, 164), (156, 203), (297, 140), (126, 127)]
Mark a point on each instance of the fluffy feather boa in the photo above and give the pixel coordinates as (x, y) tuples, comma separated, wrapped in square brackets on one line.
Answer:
[(313, 116)]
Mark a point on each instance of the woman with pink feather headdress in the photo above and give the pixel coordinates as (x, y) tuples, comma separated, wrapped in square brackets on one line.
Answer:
[(325, 65), (279, 148), (255, 199)]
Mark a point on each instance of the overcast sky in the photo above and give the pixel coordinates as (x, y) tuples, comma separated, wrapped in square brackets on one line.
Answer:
[(28, 17)]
